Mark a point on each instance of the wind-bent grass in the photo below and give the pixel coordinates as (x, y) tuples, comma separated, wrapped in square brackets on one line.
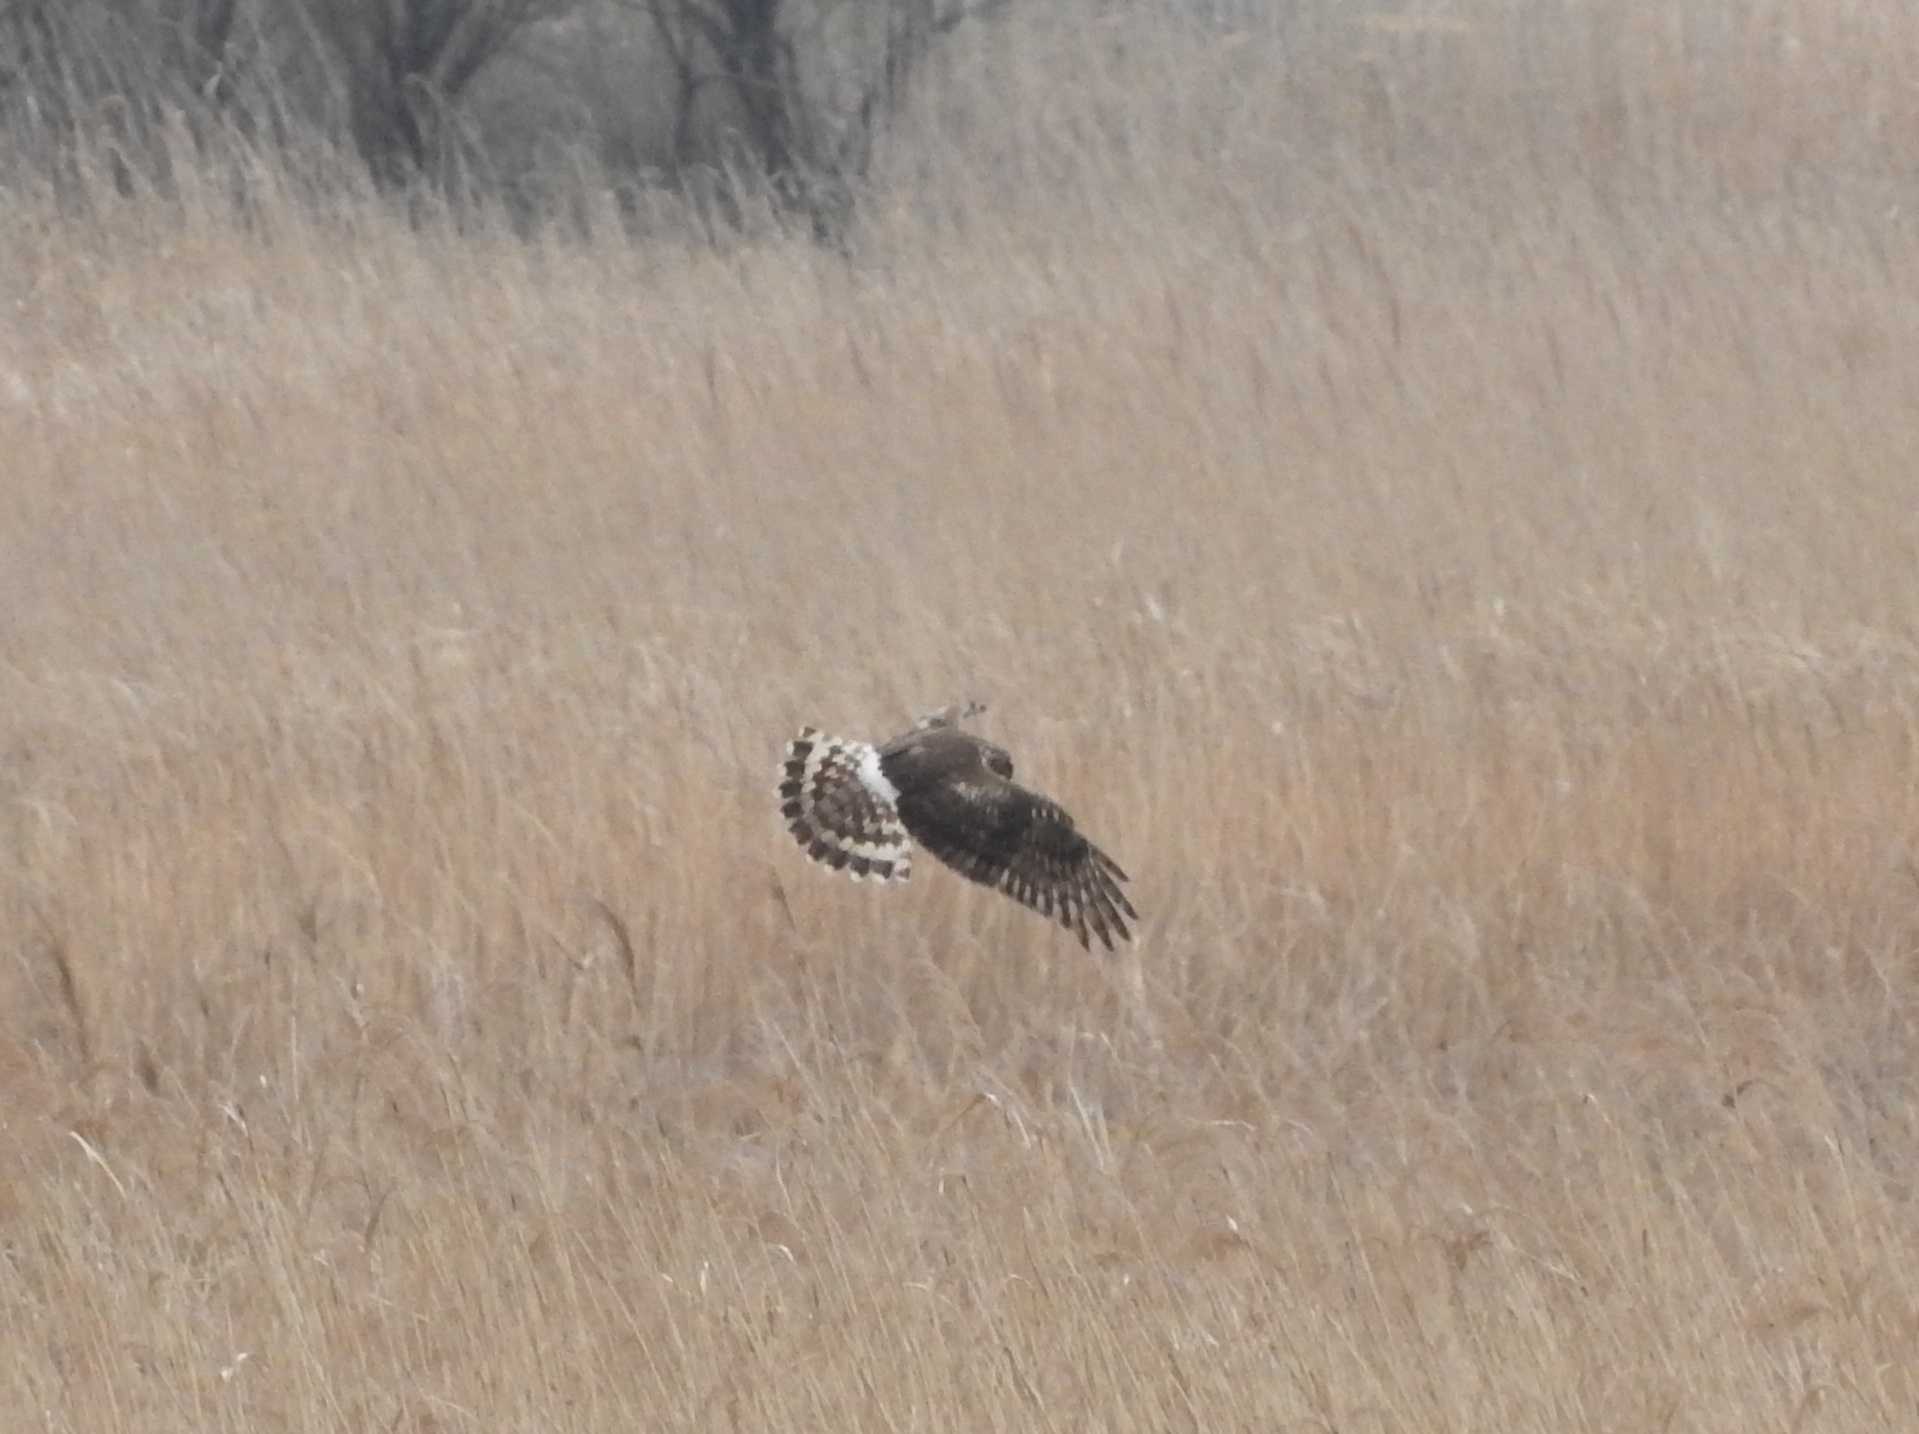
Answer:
[(1484, 629)]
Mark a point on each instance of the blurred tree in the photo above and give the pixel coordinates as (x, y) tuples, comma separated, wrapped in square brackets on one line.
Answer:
[(400, 67), (789, 95), (769, 103)]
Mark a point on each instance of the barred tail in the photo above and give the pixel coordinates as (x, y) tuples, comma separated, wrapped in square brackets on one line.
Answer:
[(840, 808)]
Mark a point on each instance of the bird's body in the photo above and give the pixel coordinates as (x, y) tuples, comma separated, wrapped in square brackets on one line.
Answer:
[(858, 808)]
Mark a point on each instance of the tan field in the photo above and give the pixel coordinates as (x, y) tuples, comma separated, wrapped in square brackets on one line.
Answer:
[(1436, 500)]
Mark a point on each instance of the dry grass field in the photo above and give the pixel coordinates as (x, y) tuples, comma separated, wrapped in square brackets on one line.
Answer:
[(1436, 500)]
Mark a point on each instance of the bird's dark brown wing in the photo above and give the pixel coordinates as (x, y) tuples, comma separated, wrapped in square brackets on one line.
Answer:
[(1001, 835)]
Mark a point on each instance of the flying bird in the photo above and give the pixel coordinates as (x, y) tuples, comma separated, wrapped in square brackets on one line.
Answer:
[(859, 808)]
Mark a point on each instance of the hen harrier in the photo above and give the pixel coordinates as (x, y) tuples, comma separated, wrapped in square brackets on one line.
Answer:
[(852, 806)]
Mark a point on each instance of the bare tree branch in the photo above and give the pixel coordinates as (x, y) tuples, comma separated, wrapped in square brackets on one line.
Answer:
[(403, 67), (774, 108)]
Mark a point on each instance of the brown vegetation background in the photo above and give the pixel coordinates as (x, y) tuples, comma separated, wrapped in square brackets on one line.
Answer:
[(1432, 492)]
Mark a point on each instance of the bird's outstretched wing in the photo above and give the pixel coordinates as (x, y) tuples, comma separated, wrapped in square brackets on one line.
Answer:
[(1001, 835)]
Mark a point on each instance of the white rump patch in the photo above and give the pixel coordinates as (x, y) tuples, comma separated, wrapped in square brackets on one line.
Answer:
[(873, 778)]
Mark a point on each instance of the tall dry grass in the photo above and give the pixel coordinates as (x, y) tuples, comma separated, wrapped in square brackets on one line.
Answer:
[(1459, 554)]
